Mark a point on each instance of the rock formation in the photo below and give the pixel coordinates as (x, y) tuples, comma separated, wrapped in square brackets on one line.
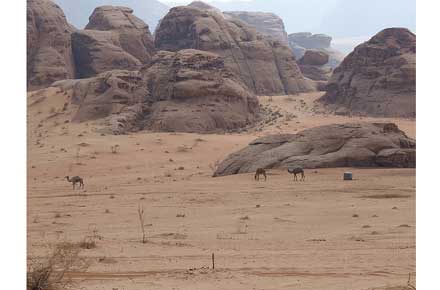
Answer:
[(310, 41), (313, 64), (266, 23), (150, 11), (204, 6), (119, 94), (378, 78), (49, 54), (187, 91), (113, 39), (339, 145), (267, 67), (302, 41), (193, 91)]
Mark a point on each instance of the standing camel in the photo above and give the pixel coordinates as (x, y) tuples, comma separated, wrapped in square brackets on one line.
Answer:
[(297, 170), (260, 171), (75, 180)]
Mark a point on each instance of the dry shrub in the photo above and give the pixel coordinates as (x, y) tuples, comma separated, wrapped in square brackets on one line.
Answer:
[(49, 273), (142, 223)]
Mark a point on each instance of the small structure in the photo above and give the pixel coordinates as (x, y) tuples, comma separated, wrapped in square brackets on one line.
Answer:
[(348, 176)]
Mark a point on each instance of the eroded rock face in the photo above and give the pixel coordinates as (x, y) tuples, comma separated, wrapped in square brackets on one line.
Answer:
[(339, 145), (302, 41), (193, 91), (113, 39), (313, 65), (314, 57), (184, 91), (119, 94), (268, 24), (49, 54), (267, 67), (378, 78)]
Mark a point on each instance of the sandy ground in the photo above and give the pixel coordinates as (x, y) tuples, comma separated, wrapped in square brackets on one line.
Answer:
[(323, 233)]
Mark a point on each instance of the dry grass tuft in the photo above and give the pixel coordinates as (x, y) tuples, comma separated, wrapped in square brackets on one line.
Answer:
[(49, 273)]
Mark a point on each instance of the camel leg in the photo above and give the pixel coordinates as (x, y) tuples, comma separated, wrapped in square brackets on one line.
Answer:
[(265, 177)]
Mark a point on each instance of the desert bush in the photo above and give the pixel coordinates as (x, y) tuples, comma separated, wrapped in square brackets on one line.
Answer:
[(49, 273)]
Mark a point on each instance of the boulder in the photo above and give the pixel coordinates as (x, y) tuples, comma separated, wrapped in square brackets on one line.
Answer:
[(302, 41), (49, 53), (313, 65), (268, 24), (267, 67), (337, 145), (378, 78), (113, 39), (314, 57), (193, 91)]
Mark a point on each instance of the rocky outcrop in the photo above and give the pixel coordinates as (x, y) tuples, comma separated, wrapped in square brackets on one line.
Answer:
[(77, 11), (113, 39), (378, 78), (302, 41), (313, 65), (310, 41), (267, 67), (268, 24), (49, 54), (186, 91), (339, 145), (193, 91), (119, 94), (314, 57)]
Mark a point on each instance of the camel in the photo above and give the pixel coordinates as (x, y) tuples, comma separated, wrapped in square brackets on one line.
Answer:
[(75, 180), (297, 170), (260, 171)]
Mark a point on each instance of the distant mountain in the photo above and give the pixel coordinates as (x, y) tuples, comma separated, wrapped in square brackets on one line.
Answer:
[(78, 11)]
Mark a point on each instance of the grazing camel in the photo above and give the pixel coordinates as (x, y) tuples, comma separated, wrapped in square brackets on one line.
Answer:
[(260, 171), (75, 180), (297, 170)]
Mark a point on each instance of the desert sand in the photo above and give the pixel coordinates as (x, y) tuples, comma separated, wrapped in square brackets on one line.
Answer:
[(323, 233)]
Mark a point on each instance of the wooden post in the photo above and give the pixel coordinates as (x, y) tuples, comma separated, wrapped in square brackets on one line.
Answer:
[(213, 264)]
